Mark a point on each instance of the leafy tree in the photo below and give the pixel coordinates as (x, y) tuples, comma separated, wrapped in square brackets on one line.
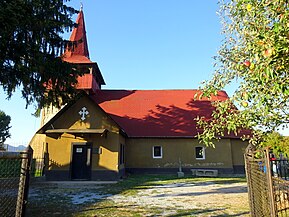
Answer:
[(255, 53), (30, 43), (4, 128), (279, 143)]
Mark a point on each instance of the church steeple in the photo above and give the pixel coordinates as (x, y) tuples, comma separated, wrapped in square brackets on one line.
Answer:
[(77, 49), (77, 53)]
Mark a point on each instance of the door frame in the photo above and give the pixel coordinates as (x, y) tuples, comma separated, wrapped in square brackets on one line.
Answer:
[(87, 145)]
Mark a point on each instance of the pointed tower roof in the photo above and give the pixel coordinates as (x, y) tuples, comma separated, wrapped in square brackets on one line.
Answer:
[(77, 50), (77, 53)]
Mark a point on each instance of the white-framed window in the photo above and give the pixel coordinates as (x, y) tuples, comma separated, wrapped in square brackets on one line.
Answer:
[(200, 153), (157, 152)]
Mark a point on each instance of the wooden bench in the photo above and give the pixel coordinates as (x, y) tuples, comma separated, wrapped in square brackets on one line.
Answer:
[(205, 172)]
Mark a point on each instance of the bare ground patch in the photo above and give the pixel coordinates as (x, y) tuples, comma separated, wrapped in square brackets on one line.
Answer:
[(143, 196)]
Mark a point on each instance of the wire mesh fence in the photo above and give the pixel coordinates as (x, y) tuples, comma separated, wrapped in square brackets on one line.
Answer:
[(268, 184), (281, 196), (257, 186), (14, 182)]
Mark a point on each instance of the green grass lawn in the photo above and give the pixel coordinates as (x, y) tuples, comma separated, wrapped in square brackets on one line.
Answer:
[(51, 201)]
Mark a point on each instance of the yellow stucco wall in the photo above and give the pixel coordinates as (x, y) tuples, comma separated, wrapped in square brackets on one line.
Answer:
[(37, 143), (95, 119), (238, 150), (59, 151), (139, 153), (108, 158), (60, 148)]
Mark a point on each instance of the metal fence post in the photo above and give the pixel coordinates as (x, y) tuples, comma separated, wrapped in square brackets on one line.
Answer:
[(24, 182), (249, 181), (270, 184)]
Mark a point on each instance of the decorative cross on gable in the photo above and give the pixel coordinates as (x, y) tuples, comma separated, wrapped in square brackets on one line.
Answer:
[(83, 112)]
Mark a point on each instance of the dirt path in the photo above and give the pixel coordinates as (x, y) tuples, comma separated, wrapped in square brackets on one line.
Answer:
[(191, 196), (207, 198)]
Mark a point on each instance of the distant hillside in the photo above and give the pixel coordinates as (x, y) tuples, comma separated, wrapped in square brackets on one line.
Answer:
[(15, 149)]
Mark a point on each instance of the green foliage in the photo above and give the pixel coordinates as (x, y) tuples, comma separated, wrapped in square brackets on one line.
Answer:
[(4, 127), (255, 52), (30, 43), (279, 143)]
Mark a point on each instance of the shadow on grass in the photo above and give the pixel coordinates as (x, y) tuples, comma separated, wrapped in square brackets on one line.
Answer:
[(232, 215), (139, 182), (207, 212), (110, 207), (229, 190), (194, 212)]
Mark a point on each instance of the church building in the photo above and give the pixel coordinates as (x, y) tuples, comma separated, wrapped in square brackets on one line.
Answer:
[(106, 134)]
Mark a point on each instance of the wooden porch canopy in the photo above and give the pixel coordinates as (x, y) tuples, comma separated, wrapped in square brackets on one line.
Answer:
[(76, 131)]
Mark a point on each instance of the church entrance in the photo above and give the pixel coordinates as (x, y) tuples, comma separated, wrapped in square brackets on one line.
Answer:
[(81, 161)]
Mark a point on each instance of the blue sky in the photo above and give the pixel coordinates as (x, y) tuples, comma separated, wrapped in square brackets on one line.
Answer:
[(139, 44)]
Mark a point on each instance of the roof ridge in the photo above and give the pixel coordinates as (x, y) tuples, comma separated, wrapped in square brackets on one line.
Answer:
[(220, 91)]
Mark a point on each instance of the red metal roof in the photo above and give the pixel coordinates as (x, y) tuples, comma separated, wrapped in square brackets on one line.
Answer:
[(156, 113), (77, 51), (76, 59), (87, 82)]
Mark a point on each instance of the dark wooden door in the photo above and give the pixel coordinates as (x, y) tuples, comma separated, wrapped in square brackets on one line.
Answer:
[(81, 162)]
